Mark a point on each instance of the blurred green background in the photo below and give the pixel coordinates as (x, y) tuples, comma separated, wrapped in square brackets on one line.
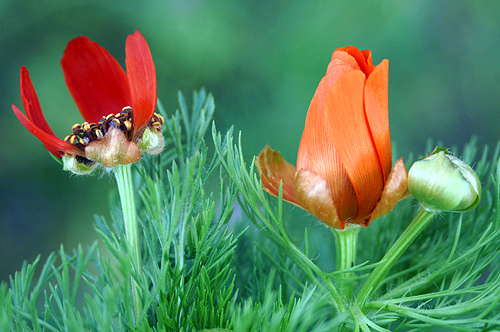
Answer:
[(262, 60)]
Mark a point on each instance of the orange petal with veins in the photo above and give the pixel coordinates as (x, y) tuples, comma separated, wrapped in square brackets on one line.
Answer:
[(353, 141)]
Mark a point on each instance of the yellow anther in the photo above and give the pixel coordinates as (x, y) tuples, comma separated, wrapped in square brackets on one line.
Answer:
[(128, 125), (159, 118)]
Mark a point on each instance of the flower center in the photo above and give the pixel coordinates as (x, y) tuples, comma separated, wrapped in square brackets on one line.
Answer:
[(86, 133)]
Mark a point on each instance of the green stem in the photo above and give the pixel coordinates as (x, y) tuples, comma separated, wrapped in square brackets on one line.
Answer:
[(420, 221), (123, 175), (345, 254)]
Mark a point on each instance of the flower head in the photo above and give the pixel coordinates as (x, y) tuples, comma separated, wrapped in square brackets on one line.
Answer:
[(117, 106), (344, 167)]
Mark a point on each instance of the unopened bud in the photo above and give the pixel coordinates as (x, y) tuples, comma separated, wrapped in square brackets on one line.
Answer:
[(71, 164), (442, 182)]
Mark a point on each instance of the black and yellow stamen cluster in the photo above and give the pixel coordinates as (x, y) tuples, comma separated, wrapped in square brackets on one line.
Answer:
[(85, 133), (156, 122)]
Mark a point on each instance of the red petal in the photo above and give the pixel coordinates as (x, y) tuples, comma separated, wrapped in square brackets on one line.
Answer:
[(142, 80), (314, 196), (31, 103), (348, 127), (394, 191), (273, 169), (377, 113), (54, 144), (95, 79)]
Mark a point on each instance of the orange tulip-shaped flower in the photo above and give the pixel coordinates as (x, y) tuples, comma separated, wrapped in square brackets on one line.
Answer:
[(344, 165)]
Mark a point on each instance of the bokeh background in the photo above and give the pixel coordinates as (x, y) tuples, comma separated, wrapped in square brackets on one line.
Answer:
[(262, 60)]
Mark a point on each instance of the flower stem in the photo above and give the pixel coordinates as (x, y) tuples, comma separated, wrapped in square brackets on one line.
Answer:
[(123, 175), (420, 221), (345, 254)]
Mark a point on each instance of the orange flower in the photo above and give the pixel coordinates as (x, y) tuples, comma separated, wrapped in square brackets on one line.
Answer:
[(344, 161)]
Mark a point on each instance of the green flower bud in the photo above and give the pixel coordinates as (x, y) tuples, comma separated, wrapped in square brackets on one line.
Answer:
[(71, 164), (442, 182), (152, 141)]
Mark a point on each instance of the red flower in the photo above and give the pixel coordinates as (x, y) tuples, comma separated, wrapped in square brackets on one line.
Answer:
[(344, 161), (108, 99)]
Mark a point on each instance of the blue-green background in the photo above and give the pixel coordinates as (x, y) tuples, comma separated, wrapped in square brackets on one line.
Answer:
[(262, 60)]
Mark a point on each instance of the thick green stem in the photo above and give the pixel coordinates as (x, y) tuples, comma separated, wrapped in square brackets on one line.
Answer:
[(346, 246), (420, 221), (123, 175)]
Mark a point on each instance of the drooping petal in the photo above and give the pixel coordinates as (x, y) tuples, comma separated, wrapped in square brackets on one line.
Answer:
[(345, 116), (377, 113), (95, 79), (31, 103), (395, 189), (313, 195), (54, 144), (141, 75), (273, 169)]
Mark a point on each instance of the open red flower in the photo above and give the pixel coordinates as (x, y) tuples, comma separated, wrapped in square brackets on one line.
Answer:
[(344, 165), (118, 107)]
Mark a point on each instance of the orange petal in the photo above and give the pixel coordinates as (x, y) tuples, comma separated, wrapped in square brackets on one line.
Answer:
[(377, 113), (317, 153), (362, 58), (395, 189), (345, 116), (337, 68), (313, 195), (273, 169)]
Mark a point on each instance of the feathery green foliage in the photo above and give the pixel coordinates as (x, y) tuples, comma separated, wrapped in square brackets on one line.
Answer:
[(217, 253), (448, 278)]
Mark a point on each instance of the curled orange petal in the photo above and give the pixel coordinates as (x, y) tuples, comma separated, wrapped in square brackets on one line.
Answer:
[(273, 169)]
